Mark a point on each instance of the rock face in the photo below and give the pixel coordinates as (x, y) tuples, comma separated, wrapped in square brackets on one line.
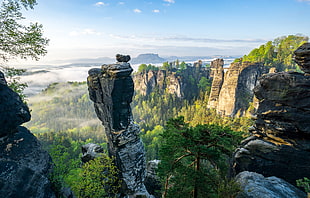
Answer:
[(256, 185), (236, 91), (24, 166), (90, 151), (183, 83), (217, 76), (13, 111), (152, 182), (111, 89), (280, 141), (302, 57)]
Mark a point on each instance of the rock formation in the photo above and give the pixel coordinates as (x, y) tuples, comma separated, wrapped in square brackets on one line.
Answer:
[(217, 76), (256, 185), (24, 166), (90, 151), (236, 91), (111, 89), (183, 83), (280, 141)]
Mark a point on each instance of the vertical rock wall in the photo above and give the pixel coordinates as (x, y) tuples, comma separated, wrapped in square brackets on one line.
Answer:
[(217, 76), (111, 89)]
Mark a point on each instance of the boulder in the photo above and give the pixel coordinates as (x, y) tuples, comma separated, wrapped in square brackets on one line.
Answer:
[(254, 185)]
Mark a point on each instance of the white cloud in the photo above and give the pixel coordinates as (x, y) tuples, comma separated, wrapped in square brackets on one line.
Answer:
[(137, 10), (100, 3), (121, 3), (156, 11), (85, 32), (169, 1)]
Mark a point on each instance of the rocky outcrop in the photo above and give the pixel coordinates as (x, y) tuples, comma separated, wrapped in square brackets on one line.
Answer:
[(280, 141), (182, 83), (256, 185), (152, 181), (217, 76), (111, 89), (13, 111), (24, 166), (302, 57), (91, 151), (236, 91)]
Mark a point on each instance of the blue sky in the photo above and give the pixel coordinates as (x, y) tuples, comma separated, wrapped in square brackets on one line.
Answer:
[(91, 29)]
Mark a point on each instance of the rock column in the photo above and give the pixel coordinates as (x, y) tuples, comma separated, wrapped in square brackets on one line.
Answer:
[(111, 89)]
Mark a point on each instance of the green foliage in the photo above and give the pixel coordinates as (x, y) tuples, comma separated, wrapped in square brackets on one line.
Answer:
[(98, 178), (205, 84), (145, 68), (152, 141), (278, 53), (16, 39), (304, 183), (198, 154)]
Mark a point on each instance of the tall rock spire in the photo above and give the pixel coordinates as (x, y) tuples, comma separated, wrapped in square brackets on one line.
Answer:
[(111, 89)]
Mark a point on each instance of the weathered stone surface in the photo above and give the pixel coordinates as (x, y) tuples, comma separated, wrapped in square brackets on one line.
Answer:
[(280, 141), (236, 91), (13, 111), (183, 83), (111, 89), (90, 151), (122, 58), (217, 76), (255, 185), (152, 182), (302, 57), (24, 167), (274, 157), (284, 104)]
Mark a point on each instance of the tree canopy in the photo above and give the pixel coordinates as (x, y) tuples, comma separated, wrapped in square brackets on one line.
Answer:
[(277, 53), (198, 154), (16, 39)]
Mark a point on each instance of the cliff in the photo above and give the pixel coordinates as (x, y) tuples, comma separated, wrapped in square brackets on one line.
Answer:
[(230, 95), (182, 83), (280, 140), (24, 166), (111, 89), (217, 76)]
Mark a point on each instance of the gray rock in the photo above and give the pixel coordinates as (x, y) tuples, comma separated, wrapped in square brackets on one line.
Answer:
[(12, 110), (90, 151), (111, 90), (255, 185), (302, 57), (24, 167)]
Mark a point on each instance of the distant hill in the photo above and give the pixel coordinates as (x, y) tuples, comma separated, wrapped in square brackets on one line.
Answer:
[(147, 59)]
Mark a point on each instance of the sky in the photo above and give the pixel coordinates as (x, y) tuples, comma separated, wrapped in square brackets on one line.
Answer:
[(92, 28)]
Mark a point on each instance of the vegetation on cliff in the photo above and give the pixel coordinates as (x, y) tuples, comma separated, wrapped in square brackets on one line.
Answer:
[(277, 53)]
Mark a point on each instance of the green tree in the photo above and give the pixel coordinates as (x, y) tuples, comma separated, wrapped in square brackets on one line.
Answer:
[(142, 68), (18, 40), (98, 178), (198, 154)]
